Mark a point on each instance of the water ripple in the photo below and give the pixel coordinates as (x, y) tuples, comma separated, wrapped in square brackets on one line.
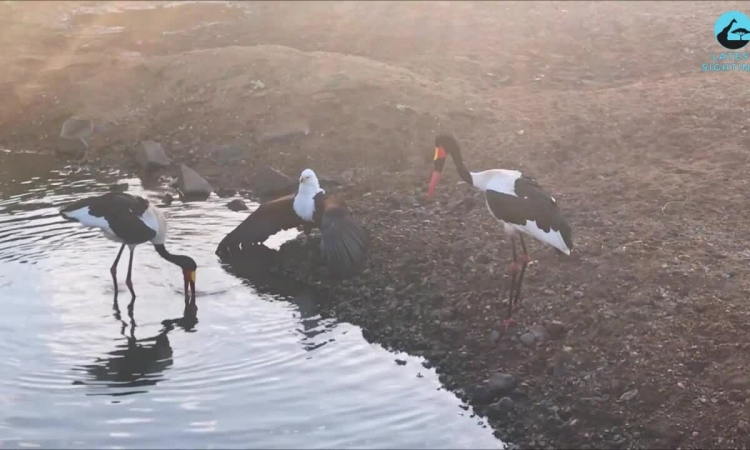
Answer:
[(249, 369)]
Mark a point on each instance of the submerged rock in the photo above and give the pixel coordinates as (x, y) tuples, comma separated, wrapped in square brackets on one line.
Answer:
[(237, 205), (192, 185)]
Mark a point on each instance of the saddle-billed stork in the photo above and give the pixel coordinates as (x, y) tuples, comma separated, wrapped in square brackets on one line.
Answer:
[(129, 220), (343, 241), (517, 202)]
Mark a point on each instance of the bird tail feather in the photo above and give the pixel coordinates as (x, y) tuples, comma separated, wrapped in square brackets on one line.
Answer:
[(343, 245)]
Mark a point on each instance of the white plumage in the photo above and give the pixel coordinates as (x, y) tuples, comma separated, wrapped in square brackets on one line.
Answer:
[(129, 220), (517, 202)]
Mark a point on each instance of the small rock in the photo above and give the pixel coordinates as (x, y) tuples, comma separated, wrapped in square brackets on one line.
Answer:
[(225, 192), (500, 408), (556, 329), (151, 154), (167, 200), (549, 292), (237, 205), (75, 147), (285, 131), (629, 395), (192, 185), (494, 336), (482, 395), (501, 383), (77, 128), (527, 339), (577, 294), (743, 426), (400, 362)]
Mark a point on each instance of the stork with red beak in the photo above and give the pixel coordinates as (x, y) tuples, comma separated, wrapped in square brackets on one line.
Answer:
[(517, 202)]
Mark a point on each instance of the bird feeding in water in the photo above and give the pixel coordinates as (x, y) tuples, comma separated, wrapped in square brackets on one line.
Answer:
[(129, 220), (343, 241), (517, 202)]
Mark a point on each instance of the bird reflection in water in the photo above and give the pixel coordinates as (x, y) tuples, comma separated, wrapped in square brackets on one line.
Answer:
[(138, 362), (256, 268)]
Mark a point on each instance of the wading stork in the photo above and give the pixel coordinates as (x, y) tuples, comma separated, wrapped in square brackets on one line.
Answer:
[(517, 202), (129, 220)]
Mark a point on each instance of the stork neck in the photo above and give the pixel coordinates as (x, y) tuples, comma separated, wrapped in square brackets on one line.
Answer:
[(463, 172), (162, 251)]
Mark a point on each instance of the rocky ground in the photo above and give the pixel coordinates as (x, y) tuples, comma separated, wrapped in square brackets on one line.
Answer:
[(637, 339)]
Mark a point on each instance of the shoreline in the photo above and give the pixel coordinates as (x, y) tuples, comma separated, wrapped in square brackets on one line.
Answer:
[(634, 340)]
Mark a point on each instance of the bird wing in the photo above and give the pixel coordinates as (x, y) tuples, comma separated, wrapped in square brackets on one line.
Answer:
[(115, 212), (532, 204), (343, 240), (270, 218)]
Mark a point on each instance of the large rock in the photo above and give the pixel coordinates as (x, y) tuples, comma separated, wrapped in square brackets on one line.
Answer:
[(192, 185), (74, 148), (151, 155), (269, 183), (77, 128)]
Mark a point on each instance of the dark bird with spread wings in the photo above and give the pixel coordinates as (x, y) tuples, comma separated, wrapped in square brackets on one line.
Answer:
[(343, 241)]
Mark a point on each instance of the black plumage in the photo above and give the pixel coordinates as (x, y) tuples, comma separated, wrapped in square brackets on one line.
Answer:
[(531, 203), (343, 240)]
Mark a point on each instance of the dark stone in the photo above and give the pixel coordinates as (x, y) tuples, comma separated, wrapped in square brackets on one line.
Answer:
[(237, 205), (400, 362), (556, 329), (225, 192), (501, 383), (192, 185), (150, 155), (167, 200), (118, 187), (500, 408)]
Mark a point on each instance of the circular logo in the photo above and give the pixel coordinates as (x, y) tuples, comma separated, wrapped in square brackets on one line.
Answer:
[(732, 30)]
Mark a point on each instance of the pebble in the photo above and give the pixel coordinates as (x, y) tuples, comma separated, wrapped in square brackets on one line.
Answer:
[(494, 336), (500, 408), (629, 395), (237, 205), (577, 294), (527, 339), (556, 329), (501, 383), (549, 292)]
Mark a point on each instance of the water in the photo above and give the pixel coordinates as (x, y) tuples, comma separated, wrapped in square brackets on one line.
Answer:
[(257, 369)]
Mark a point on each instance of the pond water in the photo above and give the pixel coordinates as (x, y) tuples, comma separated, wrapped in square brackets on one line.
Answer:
[(256, 368)]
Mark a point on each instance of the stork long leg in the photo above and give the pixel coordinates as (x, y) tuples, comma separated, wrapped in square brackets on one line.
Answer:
[(129, 281), (525, 259), (113, 269), (512, 283)]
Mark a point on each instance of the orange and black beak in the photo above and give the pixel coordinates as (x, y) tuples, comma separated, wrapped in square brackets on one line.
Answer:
[(189, 282), (437, 171)]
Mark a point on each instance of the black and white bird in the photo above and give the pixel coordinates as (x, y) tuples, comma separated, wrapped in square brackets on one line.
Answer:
[(517, 201), (343, 240), (129, 220)]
